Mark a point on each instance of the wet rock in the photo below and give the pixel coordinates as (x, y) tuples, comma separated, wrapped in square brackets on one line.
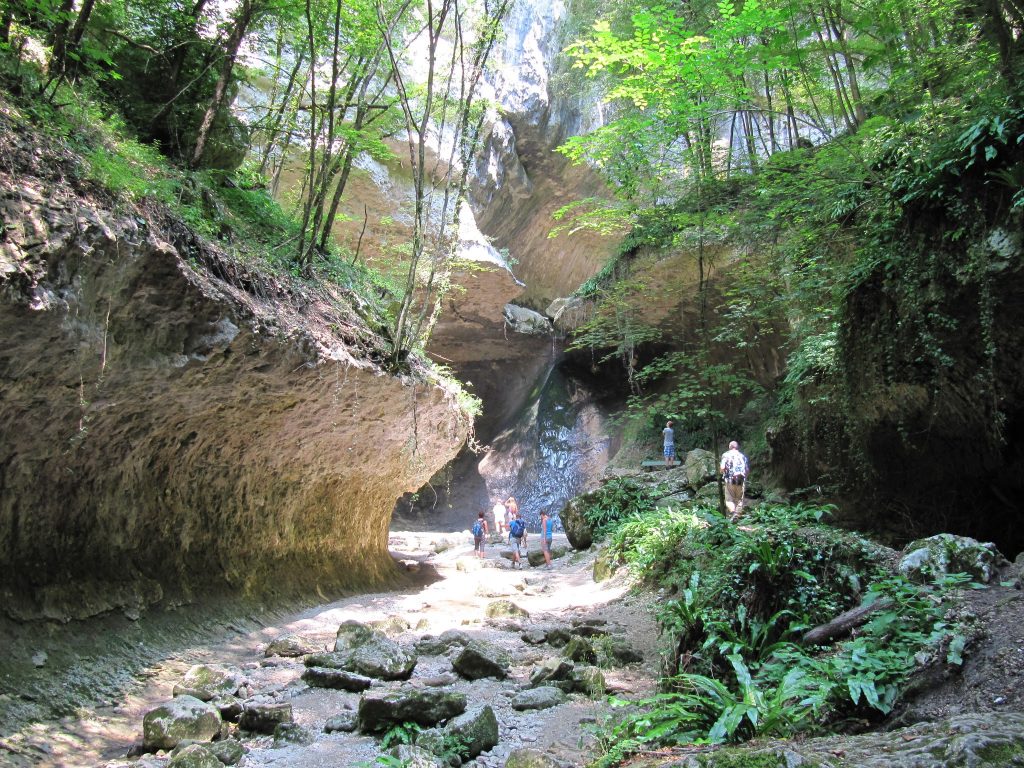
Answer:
[(438, 646), (379, 710), (589, 680), (227, 751), (184, 718), (290, 646), (264, 717), (926, 559), (345, 721), (286, 734), (575, 525), (700, 467), (206, 681), (195, 756), (543, 697), (523, 320), (552, 670), (479, 660), (337, 679), (580, 649), (530, 758), (505, 609), (410, 756)]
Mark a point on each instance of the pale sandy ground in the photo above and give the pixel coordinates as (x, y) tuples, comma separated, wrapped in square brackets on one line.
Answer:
[(457, 599)]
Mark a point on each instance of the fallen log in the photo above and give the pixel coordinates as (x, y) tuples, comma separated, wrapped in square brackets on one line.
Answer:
[(844, 623)]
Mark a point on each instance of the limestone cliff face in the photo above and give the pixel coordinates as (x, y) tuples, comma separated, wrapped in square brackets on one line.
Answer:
[(520, 179), (171, 422)]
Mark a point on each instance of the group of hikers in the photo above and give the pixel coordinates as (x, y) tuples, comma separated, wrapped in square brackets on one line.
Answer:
[(734, 468), (507, 517)]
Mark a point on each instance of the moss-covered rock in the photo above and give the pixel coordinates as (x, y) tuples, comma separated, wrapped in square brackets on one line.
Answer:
[(500, 609), (195, 756), (575, 524), (379, 710), (184, 718), (926, 559), (208, 681)]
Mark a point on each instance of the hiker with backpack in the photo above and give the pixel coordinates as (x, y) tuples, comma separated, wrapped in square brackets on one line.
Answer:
[(479, 535), (735, 469), (517, 540)]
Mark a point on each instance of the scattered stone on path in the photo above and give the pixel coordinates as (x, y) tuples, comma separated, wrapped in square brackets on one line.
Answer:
[(290, 646), (351, 635), (183, 718), (544, 697), (438, 646), (552, 670), (207, 681), (468, 564), (392, 626), (230, 708), (479, 660), (366, 651), (194, 756), (505, 609), (536, 557), (410, 756), (286, 734), (589, 680), (559, 637), (336, 679), (228, 751), (476, 731), (264, 717), (345, 721), (579, 649), (534, 636), (621, 652), (380, 709), (530, 758)]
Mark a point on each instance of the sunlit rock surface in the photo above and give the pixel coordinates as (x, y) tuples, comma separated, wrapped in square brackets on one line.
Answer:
[(163, 429)]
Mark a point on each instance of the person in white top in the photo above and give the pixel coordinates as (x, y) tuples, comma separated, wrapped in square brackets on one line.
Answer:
[(499, 517), (735, 469)]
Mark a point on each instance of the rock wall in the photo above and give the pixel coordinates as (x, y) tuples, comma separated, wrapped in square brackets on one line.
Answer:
[(520, 181), (171, 422)]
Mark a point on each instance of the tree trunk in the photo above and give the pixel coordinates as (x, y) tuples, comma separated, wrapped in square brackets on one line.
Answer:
[(844, 623), (246, 12), (59, 39), (275, 129), (77, 33)]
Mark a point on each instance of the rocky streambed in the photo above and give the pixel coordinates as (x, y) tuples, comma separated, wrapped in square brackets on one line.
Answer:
[(502, 659)]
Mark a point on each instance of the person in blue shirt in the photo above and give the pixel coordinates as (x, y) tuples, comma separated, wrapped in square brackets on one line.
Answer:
[(547, 533)]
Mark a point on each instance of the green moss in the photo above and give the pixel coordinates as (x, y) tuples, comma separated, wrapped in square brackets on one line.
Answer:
[(744, 759), (1002, 754)]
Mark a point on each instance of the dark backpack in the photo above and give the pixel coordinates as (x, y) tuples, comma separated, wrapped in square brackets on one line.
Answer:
[(517, 528), (478, 529)]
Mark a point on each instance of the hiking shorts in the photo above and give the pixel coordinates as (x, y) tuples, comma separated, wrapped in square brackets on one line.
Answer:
[(517, 544), (545, 544), (478, 543), (670, 450)]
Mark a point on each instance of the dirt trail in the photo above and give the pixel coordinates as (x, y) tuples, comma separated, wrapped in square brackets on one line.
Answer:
[(456, 598)]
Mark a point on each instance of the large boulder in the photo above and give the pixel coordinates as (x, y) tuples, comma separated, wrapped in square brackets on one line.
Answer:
[(927, 559), (500, 609), (523, 320), (543, 697), (207, 682), (575, 525), (530, 758), (195, 756), (338, 679), (467, 735), (290, 646), (365, 651), (438, 646), (700, 468), (264, 717), (379, 710), (479, 660), (184, 718)]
